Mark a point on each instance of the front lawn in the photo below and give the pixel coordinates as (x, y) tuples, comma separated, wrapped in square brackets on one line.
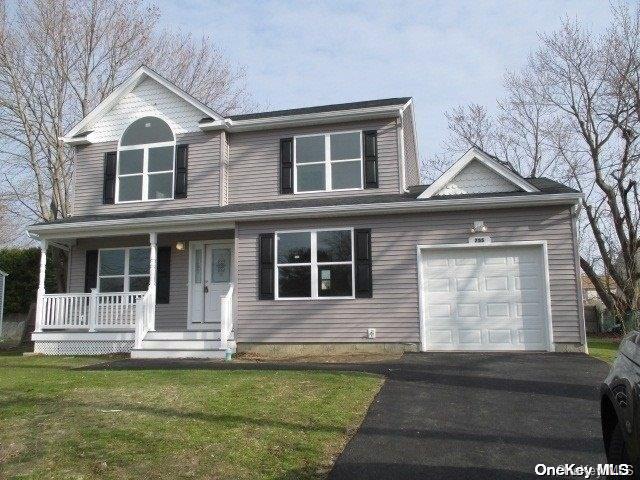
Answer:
[(604, 348), (61, 423)]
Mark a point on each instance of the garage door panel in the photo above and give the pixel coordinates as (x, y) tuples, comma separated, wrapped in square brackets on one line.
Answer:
[(526, 283), (441, 336), (439, 285), (485, 299), (500, 336), (468, 284), (470, 336), (439, 310), (498, 283)]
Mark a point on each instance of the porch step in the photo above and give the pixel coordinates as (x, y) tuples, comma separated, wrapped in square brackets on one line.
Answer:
[(162, 335), (179, 344), (177, 353)]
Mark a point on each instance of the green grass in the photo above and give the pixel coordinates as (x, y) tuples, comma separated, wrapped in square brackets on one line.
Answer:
[(61, 423), (603, 348)]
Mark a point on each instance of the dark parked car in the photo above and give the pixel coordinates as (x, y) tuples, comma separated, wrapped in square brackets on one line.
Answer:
[(620, 406)]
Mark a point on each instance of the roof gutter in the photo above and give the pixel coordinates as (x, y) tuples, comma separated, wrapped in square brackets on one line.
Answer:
[(267, 123), (206, 221)]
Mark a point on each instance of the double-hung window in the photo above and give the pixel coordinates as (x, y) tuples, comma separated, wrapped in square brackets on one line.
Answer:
[(314, 264), (146, 161), (123, 269), (328, 162)]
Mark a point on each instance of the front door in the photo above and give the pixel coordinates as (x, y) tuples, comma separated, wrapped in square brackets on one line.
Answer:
[(211, 279)]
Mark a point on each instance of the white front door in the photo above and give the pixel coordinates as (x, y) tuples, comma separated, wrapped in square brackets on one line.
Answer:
[(211, 264)]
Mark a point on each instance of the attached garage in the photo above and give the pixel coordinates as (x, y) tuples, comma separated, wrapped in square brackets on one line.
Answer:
[(493, 297)]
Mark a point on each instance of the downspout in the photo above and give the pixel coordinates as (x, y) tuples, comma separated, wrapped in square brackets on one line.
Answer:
[(575, 213), (402, 181)]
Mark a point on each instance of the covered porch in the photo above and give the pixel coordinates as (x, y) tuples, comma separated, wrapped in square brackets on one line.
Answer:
[(158, 294)]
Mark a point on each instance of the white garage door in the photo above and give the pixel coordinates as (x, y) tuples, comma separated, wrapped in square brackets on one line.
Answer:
[(490, 298)]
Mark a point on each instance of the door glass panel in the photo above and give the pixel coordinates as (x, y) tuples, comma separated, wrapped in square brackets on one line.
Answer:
[(198, 266), (220, 265)]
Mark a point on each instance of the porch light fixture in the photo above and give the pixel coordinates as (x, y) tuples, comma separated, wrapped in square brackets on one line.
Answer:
[(180, 246), (478, 227)]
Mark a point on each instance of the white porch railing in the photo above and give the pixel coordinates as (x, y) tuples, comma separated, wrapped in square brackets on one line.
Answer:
[(93, 311), (226, 318), (145, 315)]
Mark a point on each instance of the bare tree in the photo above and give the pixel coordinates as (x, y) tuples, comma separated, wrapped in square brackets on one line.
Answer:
[(58, 60), (573, 114)]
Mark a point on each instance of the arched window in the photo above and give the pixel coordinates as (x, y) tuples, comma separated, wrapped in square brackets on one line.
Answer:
[(146, 161)]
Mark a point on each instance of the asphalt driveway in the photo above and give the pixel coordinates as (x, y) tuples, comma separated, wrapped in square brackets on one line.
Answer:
[(461, 415), (495, 416)]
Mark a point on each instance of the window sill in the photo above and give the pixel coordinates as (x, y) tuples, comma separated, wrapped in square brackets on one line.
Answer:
[(152, 200), (309, 299), (330, 191)]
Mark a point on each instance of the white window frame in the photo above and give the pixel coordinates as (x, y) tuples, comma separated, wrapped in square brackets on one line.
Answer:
[(126, 274), (327, 163), (314, 264), (145, 167)]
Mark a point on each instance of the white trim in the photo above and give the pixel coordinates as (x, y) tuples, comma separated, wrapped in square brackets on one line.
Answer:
[(402, 175), (471, 155), (313, 264), (213, 221), (3, 273), (542, 244), (575, 213), (327, 162), (127, 86)]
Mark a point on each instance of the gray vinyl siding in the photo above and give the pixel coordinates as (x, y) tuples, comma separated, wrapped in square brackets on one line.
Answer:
[(171, 316), (393, 310), (203, 181), (411, 160), (254, 161)]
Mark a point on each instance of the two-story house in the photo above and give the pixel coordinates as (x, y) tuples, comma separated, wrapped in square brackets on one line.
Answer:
[(193, 233)]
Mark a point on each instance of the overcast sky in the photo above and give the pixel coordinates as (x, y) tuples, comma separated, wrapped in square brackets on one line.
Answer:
[(443, 54)]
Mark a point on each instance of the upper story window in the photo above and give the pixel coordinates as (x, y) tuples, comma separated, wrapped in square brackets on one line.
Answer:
[(146, 159), (328, 162)]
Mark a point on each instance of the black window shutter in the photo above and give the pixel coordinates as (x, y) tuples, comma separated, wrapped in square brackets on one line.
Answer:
[(370, 149), (90, 270), (163, 280), (182, 168), (265, 266), (364, 277), (109, 179), (286, 165)]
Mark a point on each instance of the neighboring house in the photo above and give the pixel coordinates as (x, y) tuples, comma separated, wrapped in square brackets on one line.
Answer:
[(590, 294), (193, 233)]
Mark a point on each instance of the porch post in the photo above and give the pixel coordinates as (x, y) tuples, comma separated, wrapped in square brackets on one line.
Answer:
[(153, 274), (40, 297)]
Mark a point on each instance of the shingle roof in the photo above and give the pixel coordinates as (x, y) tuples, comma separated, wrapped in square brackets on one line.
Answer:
[(323, 108), (545, 186)]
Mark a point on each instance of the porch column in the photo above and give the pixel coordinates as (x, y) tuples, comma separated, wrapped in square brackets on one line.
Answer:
[(40, 297), (153, 275)]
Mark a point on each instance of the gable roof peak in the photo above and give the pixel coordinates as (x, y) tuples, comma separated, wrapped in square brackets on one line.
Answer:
[(489, 161), (136, 78)]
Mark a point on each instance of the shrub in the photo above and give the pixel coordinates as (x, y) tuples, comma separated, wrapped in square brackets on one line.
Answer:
[(23, 267)]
